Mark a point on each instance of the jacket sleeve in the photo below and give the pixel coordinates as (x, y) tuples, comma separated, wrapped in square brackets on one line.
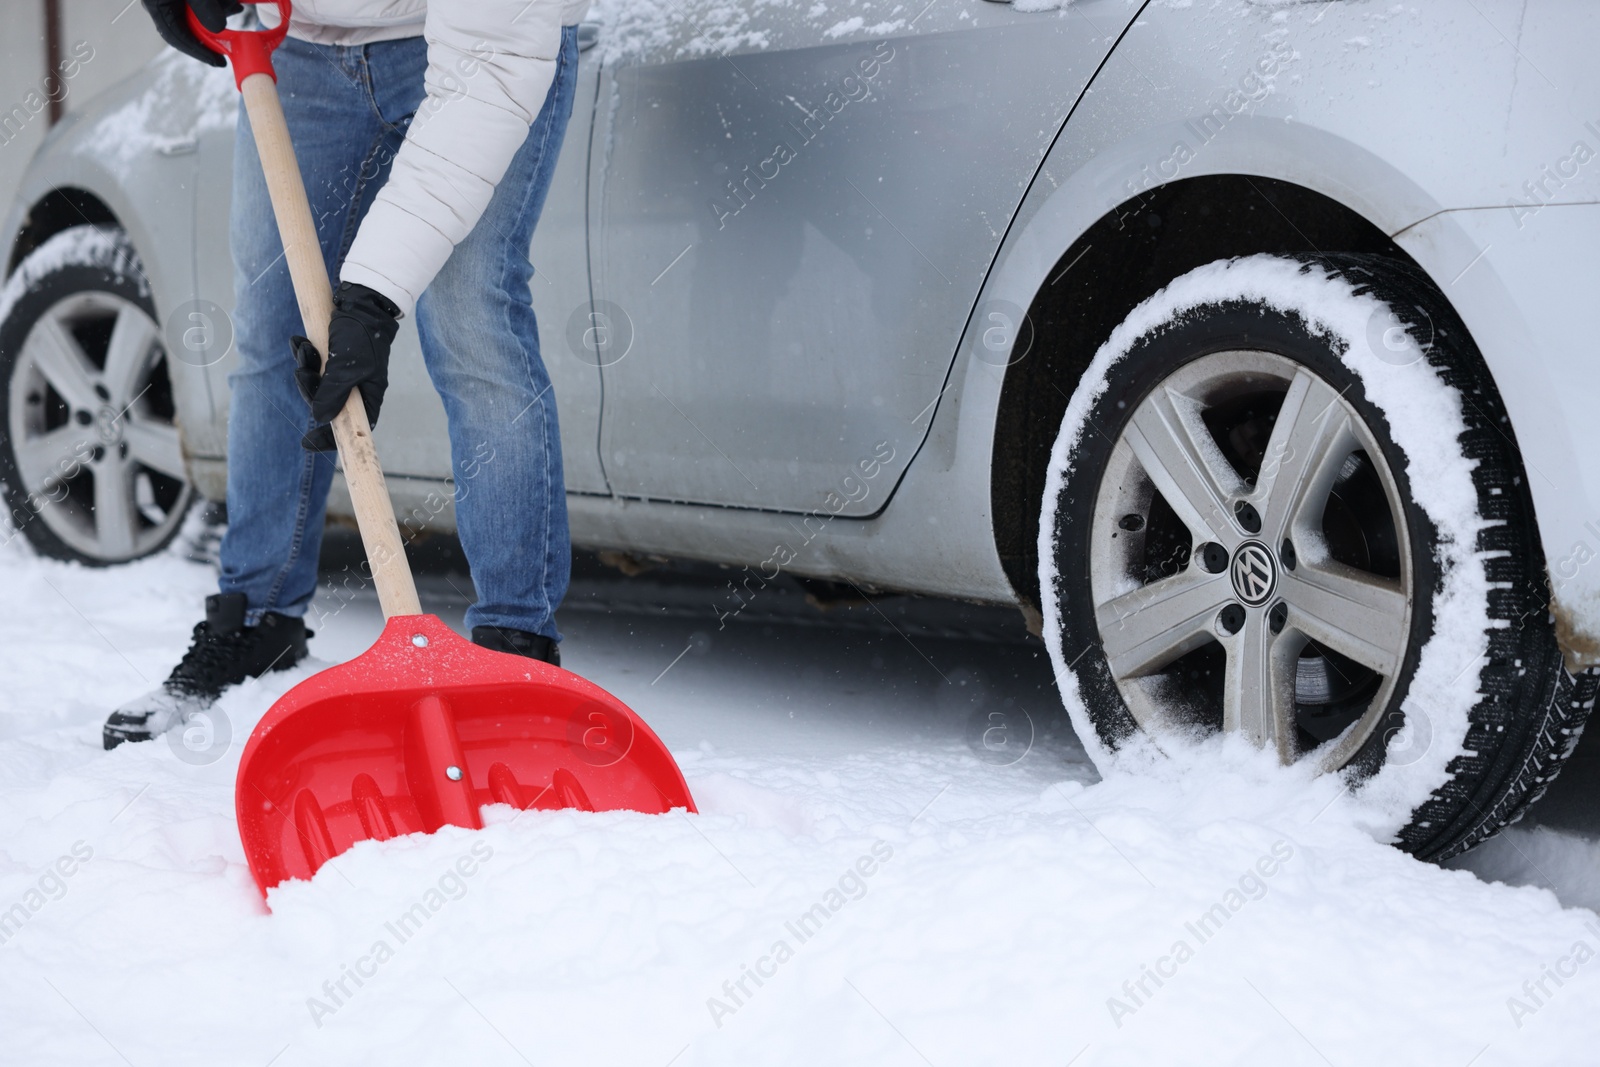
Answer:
[(490, 67)]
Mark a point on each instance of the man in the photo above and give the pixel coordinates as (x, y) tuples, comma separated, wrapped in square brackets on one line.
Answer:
[(427, 135)]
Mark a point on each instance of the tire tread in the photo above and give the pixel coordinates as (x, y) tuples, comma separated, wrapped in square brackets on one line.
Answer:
[(1532, 709)]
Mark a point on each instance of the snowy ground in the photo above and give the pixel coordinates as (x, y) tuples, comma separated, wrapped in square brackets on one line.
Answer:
[(978, 910)]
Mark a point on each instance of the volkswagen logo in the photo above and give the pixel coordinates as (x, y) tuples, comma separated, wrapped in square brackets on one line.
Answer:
[(108, 424), (1255, 575)]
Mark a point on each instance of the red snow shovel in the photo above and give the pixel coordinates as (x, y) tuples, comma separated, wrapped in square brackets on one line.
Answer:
[(423, 728)]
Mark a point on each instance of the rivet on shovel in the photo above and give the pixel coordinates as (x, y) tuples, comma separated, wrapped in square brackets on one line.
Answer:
[(453, 773), (420, 640)]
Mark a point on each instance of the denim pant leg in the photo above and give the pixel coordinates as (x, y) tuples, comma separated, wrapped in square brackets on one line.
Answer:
[(277, 492), (481, 344)]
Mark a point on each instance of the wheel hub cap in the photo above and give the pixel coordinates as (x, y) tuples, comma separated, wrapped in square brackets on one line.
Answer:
[(108, 424), (1255, 574)]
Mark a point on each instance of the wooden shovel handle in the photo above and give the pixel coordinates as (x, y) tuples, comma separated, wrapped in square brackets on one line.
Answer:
[(380, 534)]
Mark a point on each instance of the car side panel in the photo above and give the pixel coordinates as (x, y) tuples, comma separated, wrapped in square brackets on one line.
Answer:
[(794, 231)]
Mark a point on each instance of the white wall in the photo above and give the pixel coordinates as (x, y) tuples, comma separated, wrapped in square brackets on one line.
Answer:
[(122, 40)]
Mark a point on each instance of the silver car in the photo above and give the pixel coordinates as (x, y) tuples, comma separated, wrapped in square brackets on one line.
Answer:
[(1036, 305)]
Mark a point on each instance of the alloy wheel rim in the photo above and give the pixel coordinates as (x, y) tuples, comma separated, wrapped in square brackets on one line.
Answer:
[(92, 427), (1250, 565)]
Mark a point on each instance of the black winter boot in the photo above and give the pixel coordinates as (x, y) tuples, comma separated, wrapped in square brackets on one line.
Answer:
[(225, 652), (518, 643)]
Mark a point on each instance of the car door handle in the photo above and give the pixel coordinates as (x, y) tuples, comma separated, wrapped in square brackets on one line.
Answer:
[(588, 35)]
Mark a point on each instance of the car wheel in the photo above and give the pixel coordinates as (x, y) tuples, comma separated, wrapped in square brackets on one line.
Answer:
[(1285, 503), (91, 463)]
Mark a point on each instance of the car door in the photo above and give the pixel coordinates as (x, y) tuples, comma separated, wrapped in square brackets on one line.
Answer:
[(792, 208), (411, 437)]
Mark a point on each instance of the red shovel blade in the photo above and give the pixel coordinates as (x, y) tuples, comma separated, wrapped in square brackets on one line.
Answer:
[(423, 729)]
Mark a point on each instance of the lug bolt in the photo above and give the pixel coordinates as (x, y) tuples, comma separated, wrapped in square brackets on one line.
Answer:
[(1231, 619), (1213, 558), (1247, 516), (1278, 616), (83, 417), (1131, 523), (1287, 556), (101, 391)]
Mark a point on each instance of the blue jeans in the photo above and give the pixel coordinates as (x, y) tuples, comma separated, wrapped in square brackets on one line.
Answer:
[(348, 109)]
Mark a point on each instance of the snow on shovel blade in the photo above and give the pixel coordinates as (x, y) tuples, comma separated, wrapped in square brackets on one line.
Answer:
[(423, 729)]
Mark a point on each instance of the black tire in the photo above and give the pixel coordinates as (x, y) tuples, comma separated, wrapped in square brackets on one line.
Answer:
[(1529, 709), (85, 282)]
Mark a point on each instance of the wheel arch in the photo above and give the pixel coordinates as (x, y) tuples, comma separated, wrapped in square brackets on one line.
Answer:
[(1123, 257), (67, 184), (62, 208), (1254, 116)]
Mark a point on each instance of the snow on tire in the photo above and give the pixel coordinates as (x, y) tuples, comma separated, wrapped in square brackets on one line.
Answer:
[(1284, 503)]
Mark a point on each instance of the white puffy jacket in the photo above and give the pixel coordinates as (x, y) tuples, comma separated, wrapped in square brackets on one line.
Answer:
[(490, 66)]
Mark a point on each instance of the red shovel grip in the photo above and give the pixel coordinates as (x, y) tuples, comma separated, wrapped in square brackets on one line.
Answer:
[(249, 50)]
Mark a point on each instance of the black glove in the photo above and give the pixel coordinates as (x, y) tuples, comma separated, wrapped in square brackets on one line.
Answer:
[(173, 25), (359, 335)]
